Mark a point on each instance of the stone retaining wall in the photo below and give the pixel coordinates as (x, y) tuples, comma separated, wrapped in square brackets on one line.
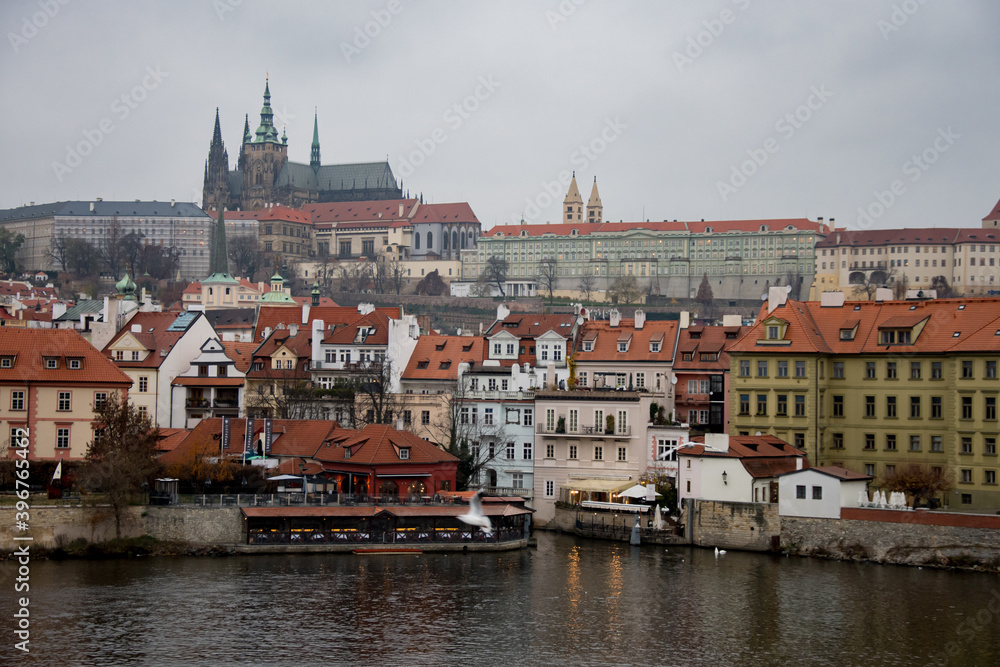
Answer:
[(746, 526)]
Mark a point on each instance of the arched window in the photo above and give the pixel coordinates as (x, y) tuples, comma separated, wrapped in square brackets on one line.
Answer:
[(416, 241), (430, 240), (444, 241), (454, 240)]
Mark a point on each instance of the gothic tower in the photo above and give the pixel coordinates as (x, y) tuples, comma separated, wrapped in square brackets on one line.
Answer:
[(595, 209), (573, 204), (216, 187), (264, 156), (314, 153)]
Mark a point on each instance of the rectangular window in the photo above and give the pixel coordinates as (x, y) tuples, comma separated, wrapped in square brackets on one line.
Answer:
[(762, 369), (781, 405), (62, 438), (869, 441), (574, 421), (990, 446), (550, 488), (761, 404), (966, 479), (528, 417), (63, 401), (550, 420), (817, 493), (572, 452), (509, 452), (937, 444), (517, 480), (550, 451), (143, 384), (990, 408), (598, 453), (966, 407), (17, 400), (800, 405), (966, 370), (890, 407), (143, 412), (870, 469), (936, 370), (966, 445), (744, 368), (838, 370), (914, 370), (990, 477), (890, 442), (800, 369), (991, 369), (622, 425), (914, 407), (800, 491), (425, 417), (890, 370), (744, 404), (800, 440), (599, 424), (869, 370), (527, 451), (838, 406), (838, 441), (782, 369), (914, 443), (869, 406), (622, 454)]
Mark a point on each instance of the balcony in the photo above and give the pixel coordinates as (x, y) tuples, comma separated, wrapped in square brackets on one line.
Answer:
[(225, 403), (198, 403), (496, 395), (585, 432), (505, 491)]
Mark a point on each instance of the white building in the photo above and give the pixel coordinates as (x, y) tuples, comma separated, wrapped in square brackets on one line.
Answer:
[(819, 492)]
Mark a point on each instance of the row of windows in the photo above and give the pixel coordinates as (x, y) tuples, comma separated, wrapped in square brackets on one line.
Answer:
[(573, 453), (891, 443), (916, 407), (64, 400), (527, 451), (603, 422), (763, 366), (781, 405)]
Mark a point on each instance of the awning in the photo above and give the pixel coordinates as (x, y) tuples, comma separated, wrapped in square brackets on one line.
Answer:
[(411, 474), (598, 485)]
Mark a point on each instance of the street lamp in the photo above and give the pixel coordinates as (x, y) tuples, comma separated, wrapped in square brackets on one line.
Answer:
[(724, 477)]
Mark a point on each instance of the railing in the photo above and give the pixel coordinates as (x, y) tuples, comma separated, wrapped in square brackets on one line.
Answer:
[(403, 537), (494, 394), (209, 500), (197, 402), (588, 431), (507, 491), (226, 403)]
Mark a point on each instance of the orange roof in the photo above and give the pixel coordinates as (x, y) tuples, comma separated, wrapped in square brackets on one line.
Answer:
[(949, 325), (605, 339), (170, 438), (698, 340), (528, 325), (906, 236), (300, 345), (379, 444), (240, 353), (332, 316), (436, 357), (347, 334), (153, 336), (337, 212), (995, 213), (31, 347), (289, 437), (453, 212), (280, 213), (324, 301), (716, 227)]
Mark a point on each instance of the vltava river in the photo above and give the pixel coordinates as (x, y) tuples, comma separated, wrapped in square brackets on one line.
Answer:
[(570, 601)]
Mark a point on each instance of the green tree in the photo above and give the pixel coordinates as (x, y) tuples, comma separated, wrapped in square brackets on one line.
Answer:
[(10, 243), (705, 296), (121, 456)]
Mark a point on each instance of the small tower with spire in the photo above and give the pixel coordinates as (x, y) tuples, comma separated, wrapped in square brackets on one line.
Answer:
[(265, 154), (595, 209), (314, 153), (215, 191), (573, 204)]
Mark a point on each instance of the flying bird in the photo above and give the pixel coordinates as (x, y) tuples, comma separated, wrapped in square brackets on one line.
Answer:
[(475, 516)]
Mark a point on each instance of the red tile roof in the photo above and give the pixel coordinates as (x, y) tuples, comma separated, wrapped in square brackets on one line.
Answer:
[(528, 325), (379, 444), (441, 355), (30, 347), (606, 338), (360, 210), (838, 472), (171, 438), (347, 334), (994, 214), (153, 336), (332, 316), (240, 353), (813, 328), (289, 437), (280, 213), (714, 339), (453, 212), (717, 227), (906, 236)]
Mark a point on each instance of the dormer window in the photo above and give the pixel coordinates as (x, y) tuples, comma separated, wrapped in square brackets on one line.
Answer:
[(51, 364), (467, 348), (347, 452), (588, 345), (8, 362), (404, 453), (623, 347), (439, 347), (847, 334), (894, 337), (654, 346), (773, 332), (422, 364), (445, 365)]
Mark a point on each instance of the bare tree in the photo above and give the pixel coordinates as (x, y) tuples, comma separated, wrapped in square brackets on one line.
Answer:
[(625, 290), (10, 243), (431, 285), (246, 255), (121, 456), (354, 276), (944, 290), (496, 273), (872, 280), (586, 285), (547, 277), (111, 250), (375, 403), (160, 262), (920, 481), (58, 252), (474, 442)]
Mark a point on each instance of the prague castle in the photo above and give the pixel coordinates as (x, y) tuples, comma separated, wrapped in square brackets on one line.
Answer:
[(264, 175)]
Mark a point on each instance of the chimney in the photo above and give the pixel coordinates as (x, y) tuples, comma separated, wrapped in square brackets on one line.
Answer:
[(267, 332), (136, 328), (831, 299), (401, 210), (293, 330), (551, 376), (502, 312), (317, 339), (685, 319), (616, 317), (365, 308), (798, 463), (640, 319), (305, 314), (883, 294), (777, 296), (173, 202), (91, 207)]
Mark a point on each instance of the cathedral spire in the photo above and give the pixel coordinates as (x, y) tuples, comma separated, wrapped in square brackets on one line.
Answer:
[(247, 137), (217, 134), (314, 155), (266, 132), (218, 265), (595, 209), (573, 204)]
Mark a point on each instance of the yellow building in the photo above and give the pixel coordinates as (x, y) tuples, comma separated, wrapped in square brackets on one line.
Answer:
[(878, 386)]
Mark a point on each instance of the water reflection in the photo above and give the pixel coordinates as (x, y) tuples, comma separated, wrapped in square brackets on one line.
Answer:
[(569, 601)]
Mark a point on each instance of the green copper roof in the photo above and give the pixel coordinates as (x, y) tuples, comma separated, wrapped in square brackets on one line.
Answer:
[(126, 288), (267, 133), (218, 262)]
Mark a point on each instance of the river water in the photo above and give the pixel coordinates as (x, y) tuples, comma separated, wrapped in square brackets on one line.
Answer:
[(570, 601)]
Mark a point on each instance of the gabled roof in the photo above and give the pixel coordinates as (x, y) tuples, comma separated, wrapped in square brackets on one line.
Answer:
[(605, 345), (375, 322), (441, 355), (713, 339), (939, 326), (379, 444), (154, 335), (332, 316), (240, 353), (289, 437), (333, 177), (104, 209), (994, 214), (360, 211), (299, 345), (453, 212), (30, 347), (531, 325), (834, 471)]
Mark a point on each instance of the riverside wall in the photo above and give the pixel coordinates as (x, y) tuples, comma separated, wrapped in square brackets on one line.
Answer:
[(57, 526), (728, 525)]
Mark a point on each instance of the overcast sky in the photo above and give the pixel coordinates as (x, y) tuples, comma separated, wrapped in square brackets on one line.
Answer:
[(736, 109)]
